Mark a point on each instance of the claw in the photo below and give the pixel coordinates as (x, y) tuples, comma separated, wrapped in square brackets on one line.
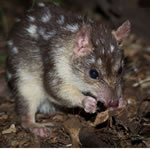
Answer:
[(41, 131)]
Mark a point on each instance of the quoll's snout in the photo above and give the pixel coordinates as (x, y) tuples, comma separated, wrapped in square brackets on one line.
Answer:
[(112, 98), (113, 103)]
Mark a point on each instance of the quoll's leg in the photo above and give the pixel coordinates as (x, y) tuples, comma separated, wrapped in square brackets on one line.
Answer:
[(39, 129), (30, 95), (27, 111)]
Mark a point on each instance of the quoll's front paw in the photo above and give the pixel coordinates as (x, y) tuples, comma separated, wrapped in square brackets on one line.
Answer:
[(90, 105)]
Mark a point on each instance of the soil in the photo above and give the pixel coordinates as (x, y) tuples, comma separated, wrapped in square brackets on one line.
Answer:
[(126, 127)]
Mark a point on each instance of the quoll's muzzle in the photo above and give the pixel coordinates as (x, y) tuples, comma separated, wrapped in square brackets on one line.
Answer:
[(115, 104), (111, 98)]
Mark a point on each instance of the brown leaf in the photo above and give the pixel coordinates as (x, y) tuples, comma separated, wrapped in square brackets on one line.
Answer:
[(12, 129), (147, 142), (101, 117), (73, 126)]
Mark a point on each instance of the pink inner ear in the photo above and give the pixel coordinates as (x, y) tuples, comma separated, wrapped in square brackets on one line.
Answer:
[(123, 31), (83, 43)]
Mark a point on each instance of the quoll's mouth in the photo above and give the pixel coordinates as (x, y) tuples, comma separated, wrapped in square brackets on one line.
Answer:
[(113, 103), (116, 104), (110, 105)]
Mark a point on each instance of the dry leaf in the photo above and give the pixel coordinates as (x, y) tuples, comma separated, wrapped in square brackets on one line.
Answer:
[(73, 126), (12, 129), (101, 117), (147, 142)]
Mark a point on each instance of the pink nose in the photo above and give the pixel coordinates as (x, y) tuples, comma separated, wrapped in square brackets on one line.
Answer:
[(113, 103)]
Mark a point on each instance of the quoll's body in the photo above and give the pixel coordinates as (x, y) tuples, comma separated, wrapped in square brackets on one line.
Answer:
[(57, 58)]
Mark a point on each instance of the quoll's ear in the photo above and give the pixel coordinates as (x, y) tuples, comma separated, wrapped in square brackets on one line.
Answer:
[(123, 31), (83, 45)]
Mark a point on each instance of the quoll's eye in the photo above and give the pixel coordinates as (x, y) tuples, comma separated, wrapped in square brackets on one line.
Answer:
[(93, 74), (120, 70)]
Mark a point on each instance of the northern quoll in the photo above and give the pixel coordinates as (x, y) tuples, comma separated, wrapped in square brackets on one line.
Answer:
[(58, 58)]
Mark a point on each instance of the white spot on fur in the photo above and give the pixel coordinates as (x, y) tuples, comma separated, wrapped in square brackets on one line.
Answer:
[(61, 20), (10, 43), (46, 35), (112, 48), (102, 40), (99, 61), (32, 30), (49, 35), (15, 50), (40, 4), (32, 19), (103, 50), (9, 75), (97, 42), (46, 17), (72, 28), (41, 31)]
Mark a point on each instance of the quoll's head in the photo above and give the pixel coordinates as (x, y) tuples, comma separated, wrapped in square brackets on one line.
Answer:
[(98, 61)]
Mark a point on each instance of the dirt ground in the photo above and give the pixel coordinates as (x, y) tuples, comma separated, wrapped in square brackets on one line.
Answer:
[(127, 127)]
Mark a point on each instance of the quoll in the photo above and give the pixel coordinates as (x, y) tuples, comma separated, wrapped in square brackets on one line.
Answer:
[(57, 58)]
